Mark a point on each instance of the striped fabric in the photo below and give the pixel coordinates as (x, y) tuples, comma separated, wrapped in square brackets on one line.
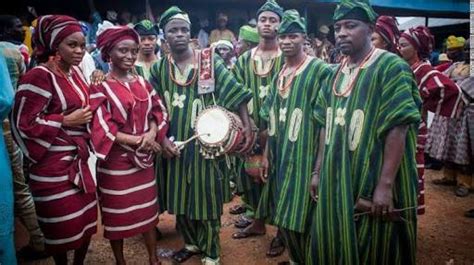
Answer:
[(202, 235), (441, 96), (15, 62), (297, 244), (385, 95), (194, 185), (292, 143), (126, 177), (244, 72), (66, 207)]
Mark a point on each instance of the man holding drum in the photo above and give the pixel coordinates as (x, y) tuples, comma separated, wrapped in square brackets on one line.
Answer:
[(292, 136), (190, 80)]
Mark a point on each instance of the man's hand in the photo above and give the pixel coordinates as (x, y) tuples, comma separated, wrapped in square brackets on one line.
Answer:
[(382, 203), (313, 189)]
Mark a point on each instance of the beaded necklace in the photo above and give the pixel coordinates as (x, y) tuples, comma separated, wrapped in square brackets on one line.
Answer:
[(348, 90)]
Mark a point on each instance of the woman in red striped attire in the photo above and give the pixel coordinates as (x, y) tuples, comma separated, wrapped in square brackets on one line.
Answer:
[(129, 123), (49, 124), (439, 93)]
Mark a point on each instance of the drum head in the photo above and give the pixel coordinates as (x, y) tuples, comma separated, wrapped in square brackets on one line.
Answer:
[(213, 126)]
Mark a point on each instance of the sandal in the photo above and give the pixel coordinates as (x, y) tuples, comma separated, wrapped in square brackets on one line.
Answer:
[(444, 182), (183, 255), (243, 222), (245, 234), (469, 214), (462, 191), (238, 209), (277, 247)]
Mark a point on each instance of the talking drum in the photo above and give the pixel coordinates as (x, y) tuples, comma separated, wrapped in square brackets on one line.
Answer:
[(218, 131)]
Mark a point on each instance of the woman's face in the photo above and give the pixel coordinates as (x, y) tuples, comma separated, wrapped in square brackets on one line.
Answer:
[(124, 54), (378, 41), (72, 49), (407, 51)]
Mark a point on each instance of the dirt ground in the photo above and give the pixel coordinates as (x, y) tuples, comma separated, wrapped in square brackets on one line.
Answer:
[(445, 236)]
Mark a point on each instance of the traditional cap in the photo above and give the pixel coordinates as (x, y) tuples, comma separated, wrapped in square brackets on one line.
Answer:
[(443, 57), (271, 6), (171, 13), (103, 26), (223, 43), (324, 29), (292, 22), (51, 30), (146, 28), (387, 27), (110, 37), (355, 9), (454, 42), (248, 33), (421, 39)]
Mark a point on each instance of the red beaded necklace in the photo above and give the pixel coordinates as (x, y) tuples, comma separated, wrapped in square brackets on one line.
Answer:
[(348, 90), (85, 97), (171, 71), (282, 90)]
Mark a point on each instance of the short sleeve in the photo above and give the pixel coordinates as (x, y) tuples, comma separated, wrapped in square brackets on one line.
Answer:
[(231, 94), (400, 100)]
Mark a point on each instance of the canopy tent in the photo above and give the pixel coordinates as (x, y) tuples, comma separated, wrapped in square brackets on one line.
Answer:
[(431, 8), (406, 23)]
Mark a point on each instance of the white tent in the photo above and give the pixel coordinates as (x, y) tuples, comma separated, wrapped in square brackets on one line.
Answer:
[(410, 22)]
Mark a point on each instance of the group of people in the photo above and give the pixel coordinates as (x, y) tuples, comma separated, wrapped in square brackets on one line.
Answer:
[(340, 149)]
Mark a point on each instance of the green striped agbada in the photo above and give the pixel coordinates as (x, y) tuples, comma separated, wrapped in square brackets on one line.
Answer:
[(245, 71), (385, 95), (292, 143), (194, 186)]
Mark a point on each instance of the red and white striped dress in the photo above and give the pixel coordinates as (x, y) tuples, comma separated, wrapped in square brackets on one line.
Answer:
[(441, 96), (126, 178), (60, 180)]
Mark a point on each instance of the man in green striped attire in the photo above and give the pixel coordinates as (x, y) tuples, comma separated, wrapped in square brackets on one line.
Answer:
[(148, 32), (194, 185), (292, 136), (365, 181), (256, 69)]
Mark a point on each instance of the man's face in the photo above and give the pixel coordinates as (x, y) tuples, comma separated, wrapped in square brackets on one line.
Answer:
[(224, 52), (177, 35), (147, 44), (291, 44), (222, 23), (17, 32), (467, 52), (456, 54), (351, 35), (267, 24)]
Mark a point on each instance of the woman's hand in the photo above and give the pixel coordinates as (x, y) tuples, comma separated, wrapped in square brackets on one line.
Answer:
[(97, 77), (170, 150), (78, 117)]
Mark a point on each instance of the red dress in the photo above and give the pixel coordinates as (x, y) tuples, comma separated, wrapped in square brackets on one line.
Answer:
[(126, 177), (60, 180), (441, 96)]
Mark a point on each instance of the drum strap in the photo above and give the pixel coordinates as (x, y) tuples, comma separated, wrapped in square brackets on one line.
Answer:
[(206, 81)]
